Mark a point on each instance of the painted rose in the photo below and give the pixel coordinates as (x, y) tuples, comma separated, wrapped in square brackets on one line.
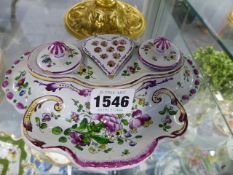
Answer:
[(76, 138), (111, 122), (139, 119), (84, 92)]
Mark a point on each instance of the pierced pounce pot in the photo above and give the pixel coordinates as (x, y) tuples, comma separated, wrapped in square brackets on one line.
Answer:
[(52, 86)]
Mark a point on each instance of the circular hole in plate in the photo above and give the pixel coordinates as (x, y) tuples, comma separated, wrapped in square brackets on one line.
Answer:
[(122, 42), (115, 42), (97, 49), (110, 49), (116, 55), (104, 56), (95, 43), (111, 63), (104, 43), (120, 48)]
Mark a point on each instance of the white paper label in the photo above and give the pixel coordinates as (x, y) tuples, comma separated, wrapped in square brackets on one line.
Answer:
[(112, 101)]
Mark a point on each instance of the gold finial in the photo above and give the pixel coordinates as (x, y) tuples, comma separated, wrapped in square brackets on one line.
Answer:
[(93, 17)]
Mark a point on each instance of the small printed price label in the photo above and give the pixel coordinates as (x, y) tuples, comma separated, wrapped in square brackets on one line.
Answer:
[(111, 101)]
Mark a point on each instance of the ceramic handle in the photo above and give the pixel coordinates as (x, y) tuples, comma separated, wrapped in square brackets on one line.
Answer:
[(162, 44), (58, 49)]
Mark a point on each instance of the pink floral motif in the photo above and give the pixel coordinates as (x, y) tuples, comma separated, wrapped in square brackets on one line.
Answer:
[(46, 117), (10, 95), (75, 117), (19, 105), (111, 122), (8, 72), (17, 61), (162, 44), (58, 49), (84, 92), (138, 119), (5, 83)]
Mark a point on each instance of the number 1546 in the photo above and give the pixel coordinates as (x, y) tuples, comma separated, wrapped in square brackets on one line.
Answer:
[(107, 101)]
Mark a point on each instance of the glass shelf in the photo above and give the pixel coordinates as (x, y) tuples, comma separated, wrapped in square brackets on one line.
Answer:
[(203, 149)]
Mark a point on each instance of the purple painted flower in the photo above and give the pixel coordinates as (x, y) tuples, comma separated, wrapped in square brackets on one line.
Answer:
[(138, 119), (190, 61), (197, 82), (195, 71), (46, 117), (8, 72), (19, 105), (10, 95), (20, 82), (135, 123), (131, 69), (132, 143), (111, 122), (17, 61), (5, 83), (137, 113), (128, 134), (193, 91), (84, 92), (75, 117), (167, 120), (22, 93), (76, 138), (185, 97)]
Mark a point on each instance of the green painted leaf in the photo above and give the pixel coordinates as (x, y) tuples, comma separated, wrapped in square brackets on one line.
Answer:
[(120, 141), (67, 132), (83, 124), (96, 127), (62, 139), (171, 112), (86, 140), (74, 126), (79, 147), (25, 85), (108, 150), (138, 136), (37, 119), (43, 126), (160, 125), (168, 127), (57, 130), (125, 122), (162, 112), (125, 152), (100, 139), (18, 77)]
